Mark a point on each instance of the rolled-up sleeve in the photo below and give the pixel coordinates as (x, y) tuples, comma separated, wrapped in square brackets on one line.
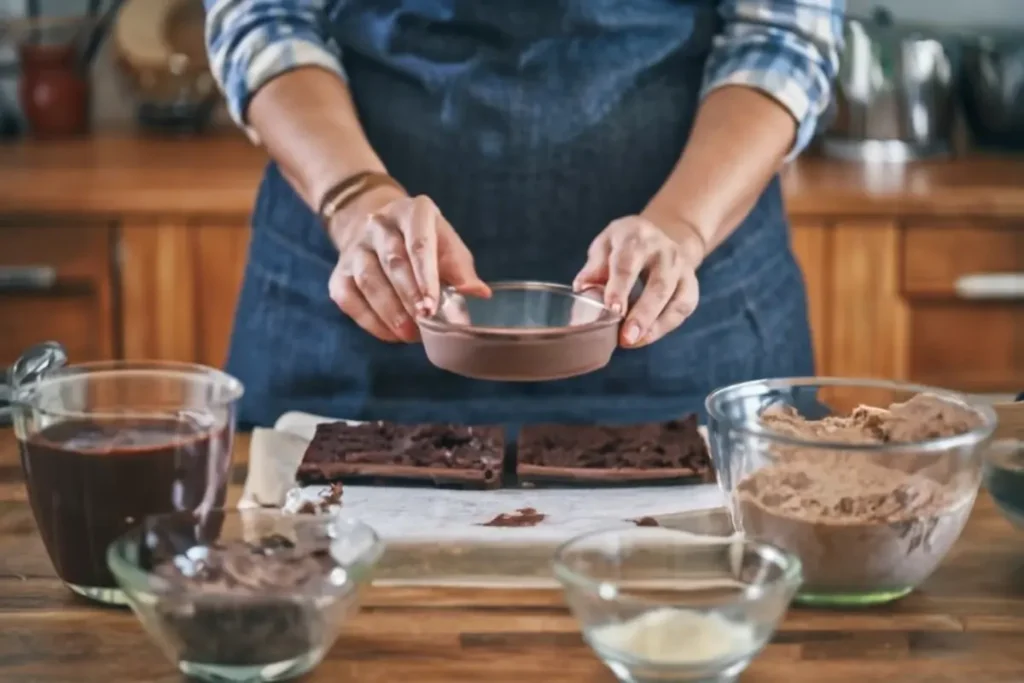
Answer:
[(251, 42), (787, 49)]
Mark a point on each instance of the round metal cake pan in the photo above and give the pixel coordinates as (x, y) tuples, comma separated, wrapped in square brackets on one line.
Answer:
[(526, 332)]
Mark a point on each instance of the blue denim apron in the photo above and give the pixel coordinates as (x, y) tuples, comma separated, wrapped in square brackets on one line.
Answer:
[(532, 125)]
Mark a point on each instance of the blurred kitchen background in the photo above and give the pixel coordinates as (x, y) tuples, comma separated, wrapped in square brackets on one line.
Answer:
[(124, 194)]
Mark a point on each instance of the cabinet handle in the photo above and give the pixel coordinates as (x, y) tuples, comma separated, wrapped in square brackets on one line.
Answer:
[(27, 278), (1003, 286)]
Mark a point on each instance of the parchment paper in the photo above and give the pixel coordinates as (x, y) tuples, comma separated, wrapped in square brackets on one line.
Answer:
[(432, 533)]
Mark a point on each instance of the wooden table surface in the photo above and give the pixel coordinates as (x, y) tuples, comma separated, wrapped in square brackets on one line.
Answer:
[(965, 625), (118, 175)]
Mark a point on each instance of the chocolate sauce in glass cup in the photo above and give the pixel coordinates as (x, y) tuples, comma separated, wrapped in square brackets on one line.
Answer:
[(104, 445)]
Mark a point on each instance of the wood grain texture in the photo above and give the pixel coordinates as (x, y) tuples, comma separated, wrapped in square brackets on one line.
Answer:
[(80, 305), (180, 280), (216, 176), (812, 245), (869, 314), (222, 250), (158, 290), (965, 624), (938, 253)]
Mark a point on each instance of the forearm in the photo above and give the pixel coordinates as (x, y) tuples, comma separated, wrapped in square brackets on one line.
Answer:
[(739, 141), (285, 85), (766, 84), (307, 121)]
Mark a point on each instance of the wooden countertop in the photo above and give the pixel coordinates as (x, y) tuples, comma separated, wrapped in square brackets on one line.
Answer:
[(966, 624), (110, 176)]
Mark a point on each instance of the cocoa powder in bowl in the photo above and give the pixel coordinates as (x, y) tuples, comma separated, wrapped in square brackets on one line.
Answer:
[(866, 527), (526, 332)]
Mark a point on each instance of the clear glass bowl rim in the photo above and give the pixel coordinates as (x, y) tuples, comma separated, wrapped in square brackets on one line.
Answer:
[(230, 389), (136, 580), (791, 568), (757, 387), (608, 317)]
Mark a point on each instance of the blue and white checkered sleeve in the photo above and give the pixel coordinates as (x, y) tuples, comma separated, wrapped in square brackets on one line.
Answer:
[(250, 42), (788, 49)]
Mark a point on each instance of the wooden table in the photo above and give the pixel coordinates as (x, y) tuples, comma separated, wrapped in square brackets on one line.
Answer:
[(966, 624)]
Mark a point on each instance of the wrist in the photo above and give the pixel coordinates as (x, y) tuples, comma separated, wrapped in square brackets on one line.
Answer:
[(693, 239), (366, 203)]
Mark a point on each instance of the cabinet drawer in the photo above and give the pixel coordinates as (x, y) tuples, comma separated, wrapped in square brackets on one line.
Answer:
[(964, 261), (67, 255), (56, 282), (72, 319), (968, 346)]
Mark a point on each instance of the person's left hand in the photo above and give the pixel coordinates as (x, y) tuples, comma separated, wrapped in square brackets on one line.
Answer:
[(634, 248)]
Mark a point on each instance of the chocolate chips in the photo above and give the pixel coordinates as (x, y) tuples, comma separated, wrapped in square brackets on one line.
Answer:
[(244, 604), (438, 453)]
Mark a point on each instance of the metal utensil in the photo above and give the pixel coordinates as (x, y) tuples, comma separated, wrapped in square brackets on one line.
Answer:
[(993, 90), (894, 96), (36, 362)]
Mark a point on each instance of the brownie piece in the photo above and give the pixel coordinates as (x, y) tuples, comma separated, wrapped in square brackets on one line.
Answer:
[(441, 454), (652, 452)]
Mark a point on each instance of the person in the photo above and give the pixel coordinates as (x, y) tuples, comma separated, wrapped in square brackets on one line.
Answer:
[(418, 144)]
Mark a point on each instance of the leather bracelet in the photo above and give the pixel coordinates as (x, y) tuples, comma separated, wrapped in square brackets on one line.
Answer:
[(343, 193)]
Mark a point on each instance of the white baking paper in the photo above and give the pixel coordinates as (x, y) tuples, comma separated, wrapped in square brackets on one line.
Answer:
[(429, 514)]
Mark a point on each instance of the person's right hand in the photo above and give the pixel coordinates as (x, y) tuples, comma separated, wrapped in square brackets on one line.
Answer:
[(395, 252)]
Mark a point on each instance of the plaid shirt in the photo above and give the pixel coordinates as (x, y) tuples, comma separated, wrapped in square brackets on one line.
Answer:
[(788, 49)]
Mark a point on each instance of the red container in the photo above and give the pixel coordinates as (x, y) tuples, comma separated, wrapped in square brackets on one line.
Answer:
[(54, 92)]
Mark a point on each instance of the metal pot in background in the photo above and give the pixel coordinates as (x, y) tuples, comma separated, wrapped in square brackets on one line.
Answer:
[(895, 94), (993, 90)]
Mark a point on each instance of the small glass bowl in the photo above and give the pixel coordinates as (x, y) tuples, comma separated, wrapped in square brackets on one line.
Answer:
[(1004, 478), (260, 634), (525, 332), (679, 588), (877, 518)]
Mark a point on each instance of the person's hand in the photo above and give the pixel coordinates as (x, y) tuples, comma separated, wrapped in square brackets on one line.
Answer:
[(395, 251), (634, 248)]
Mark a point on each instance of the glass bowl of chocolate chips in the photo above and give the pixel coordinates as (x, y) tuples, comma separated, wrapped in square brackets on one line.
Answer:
[(244, 595)]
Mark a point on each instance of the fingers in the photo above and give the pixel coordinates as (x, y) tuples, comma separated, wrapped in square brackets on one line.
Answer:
[(455, 263), (420, 231), (393, 261), (662, 282), (678, 308), (346, 293), (595, 270), (630, 253)]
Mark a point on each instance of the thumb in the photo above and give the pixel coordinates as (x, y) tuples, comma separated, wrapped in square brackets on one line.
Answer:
[(455, 265)]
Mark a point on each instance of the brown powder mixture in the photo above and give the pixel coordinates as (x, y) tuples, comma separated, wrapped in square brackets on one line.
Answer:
[(858, 521)]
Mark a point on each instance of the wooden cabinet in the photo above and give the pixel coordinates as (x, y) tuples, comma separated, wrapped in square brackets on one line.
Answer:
[(965, 315), (56, 282), (930, 302), (179, 284)]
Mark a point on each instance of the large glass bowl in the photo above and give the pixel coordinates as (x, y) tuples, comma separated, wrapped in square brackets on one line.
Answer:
[(871, 520), (264, 629), (658, 604)]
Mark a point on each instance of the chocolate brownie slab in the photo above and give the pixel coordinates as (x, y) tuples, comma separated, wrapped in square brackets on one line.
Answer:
[(382, 451), (641, 453)]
